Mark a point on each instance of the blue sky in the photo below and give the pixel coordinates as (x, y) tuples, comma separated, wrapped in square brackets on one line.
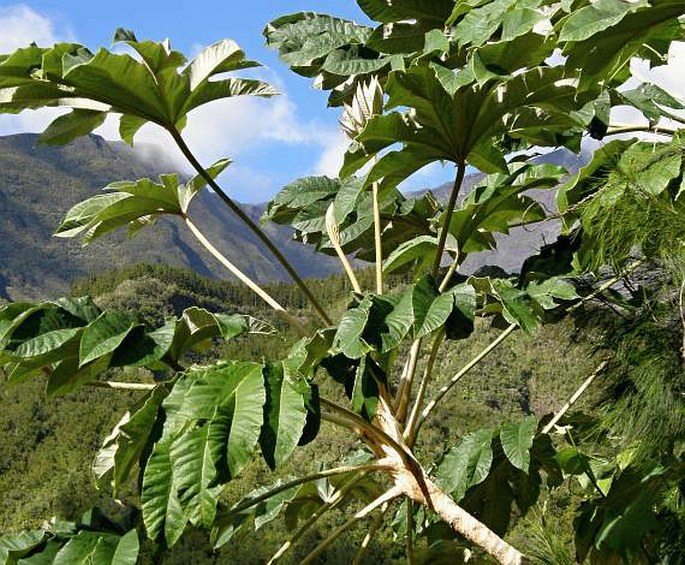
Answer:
[(272, 142)]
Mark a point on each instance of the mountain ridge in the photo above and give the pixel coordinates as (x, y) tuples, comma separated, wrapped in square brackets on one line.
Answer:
[(40, 183)]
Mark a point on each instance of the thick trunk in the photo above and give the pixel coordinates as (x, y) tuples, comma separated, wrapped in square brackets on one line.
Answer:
[(461, 521), (411, 479)]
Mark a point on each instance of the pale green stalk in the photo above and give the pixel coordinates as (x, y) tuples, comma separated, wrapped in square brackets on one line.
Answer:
[(380, 501), (407, 377), (377, 238), (178, 138), (410, 429), (331, 504), (506, 333), (456, 378), (574, 397), (405, 389), (120, 385), (628, 128), (252, 285), (334, 236), (301, 480)]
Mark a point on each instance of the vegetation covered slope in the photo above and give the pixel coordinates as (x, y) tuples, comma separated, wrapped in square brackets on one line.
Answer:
[(40, 183), (46, 446)]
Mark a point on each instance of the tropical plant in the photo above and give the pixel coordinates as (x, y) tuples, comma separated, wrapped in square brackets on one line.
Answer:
[(476, 83)]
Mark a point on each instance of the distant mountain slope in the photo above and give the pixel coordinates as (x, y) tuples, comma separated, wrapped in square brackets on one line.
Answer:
[(524, 241), (38, 184)]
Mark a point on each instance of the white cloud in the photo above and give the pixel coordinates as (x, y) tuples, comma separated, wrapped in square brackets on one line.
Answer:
[(22, 25), (332, 156)]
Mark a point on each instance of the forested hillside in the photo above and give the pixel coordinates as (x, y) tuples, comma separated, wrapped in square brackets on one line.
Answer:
[(46, 445), (40, 183)]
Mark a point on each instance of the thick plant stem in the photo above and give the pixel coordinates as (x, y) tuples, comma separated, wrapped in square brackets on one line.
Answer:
[(406, 381), (462, 522), (574, 398), (377, 238), (451, 205), (331, 504), (250, 224), (410, 428), (363, 513), (300, 481)]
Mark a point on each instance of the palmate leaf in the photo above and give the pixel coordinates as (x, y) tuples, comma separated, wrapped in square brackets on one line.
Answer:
[(645, 32), (73, 342), (498, 203), (76, 123), (285, 413), (303, 204), (328, 49), (523, 307), (211, 422), (133, 204), (380, 323), (159, 87), (69, 544), (534, 106)]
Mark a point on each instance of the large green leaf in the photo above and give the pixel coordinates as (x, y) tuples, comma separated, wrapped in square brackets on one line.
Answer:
[(649, 98), (466, 464), (125, 446), (303, 205), (103, 336), (213, 419), (595, 17), (162, 512), (124, 204), (517, 439), (387, 11), (349, 338), (44, 547), (285, 413), (157, 86), (645, 32)]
